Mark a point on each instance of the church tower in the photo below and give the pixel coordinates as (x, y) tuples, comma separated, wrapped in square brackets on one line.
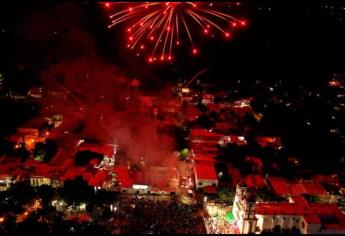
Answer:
[(244, 209)]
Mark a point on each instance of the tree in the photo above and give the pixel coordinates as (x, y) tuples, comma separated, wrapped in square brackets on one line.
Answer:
[(39, 151), (51, 148), (76, 191), (23, 153), (265, 194), (5, 146), (84, 157), (45, 151), (22, 192), (277, 229), (204, 121), (226, 194), (46, 193), (184, 153)]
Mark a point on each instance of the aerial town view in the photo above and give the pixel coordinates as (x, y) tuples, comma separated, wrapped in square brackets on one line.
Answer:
[(172, 117)]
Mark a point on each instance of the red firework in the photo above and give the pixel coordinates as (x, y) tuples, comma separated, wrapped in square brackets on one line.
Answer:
[(155, 29)]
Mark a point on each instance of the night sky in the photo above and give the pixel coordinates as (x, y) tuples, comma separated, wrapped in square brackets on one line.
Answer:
[(289, 41)]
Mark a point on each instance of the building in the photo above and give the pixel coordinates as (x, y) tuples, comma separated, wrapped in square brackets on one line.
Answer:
[(244, 209), (205, 156), (5, 181), (202, 138), (294, 216), (205, 174), (108, 151), (27, 137), (283, 188)]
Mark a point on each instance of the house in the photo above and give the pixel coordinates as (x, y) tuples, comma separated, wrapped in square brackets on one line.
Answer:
[(203, 138), (255, 181), (204, 156), (205, 174), (284, 188)]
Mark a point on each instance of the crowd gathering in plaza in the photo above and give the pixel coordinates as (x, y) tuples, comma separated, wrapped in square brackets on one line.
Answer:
[(136, 216)]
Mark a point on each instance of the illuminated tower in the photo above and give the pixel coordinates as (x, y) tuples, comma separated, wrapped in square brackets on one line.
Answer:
[(244, 209)]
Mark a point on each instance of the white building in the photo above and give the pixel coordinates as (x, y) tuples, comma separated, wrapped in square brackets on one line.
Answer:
[(294, 216), (244, 210)]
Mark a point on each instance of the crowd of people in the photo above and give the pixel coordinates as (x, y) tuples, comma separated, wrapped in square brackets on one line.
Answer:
[(221, 226), (216, 221), (149, 216)]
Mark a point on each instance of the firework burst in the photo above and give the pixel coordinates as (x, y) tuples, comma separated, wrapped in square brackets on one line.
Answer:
[(156, 29)]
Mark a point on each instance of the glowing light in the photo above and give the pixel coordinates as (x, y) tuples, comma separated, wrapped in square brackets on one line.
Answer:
[(195, 51), (107, 4), (167, 24)]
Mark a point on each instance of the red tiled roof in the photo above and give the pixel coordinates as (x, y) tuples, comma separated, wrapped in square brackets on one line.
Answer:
[(205, 149), (279, 185), (205, 170), (199, 156), (196, 133), (332, 210), (314, 188), (312, 219), (235, 174), (256, 181), (213, 107), (311, 212), (284, 187), (330, 179), (296, 189), (279, 209)]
